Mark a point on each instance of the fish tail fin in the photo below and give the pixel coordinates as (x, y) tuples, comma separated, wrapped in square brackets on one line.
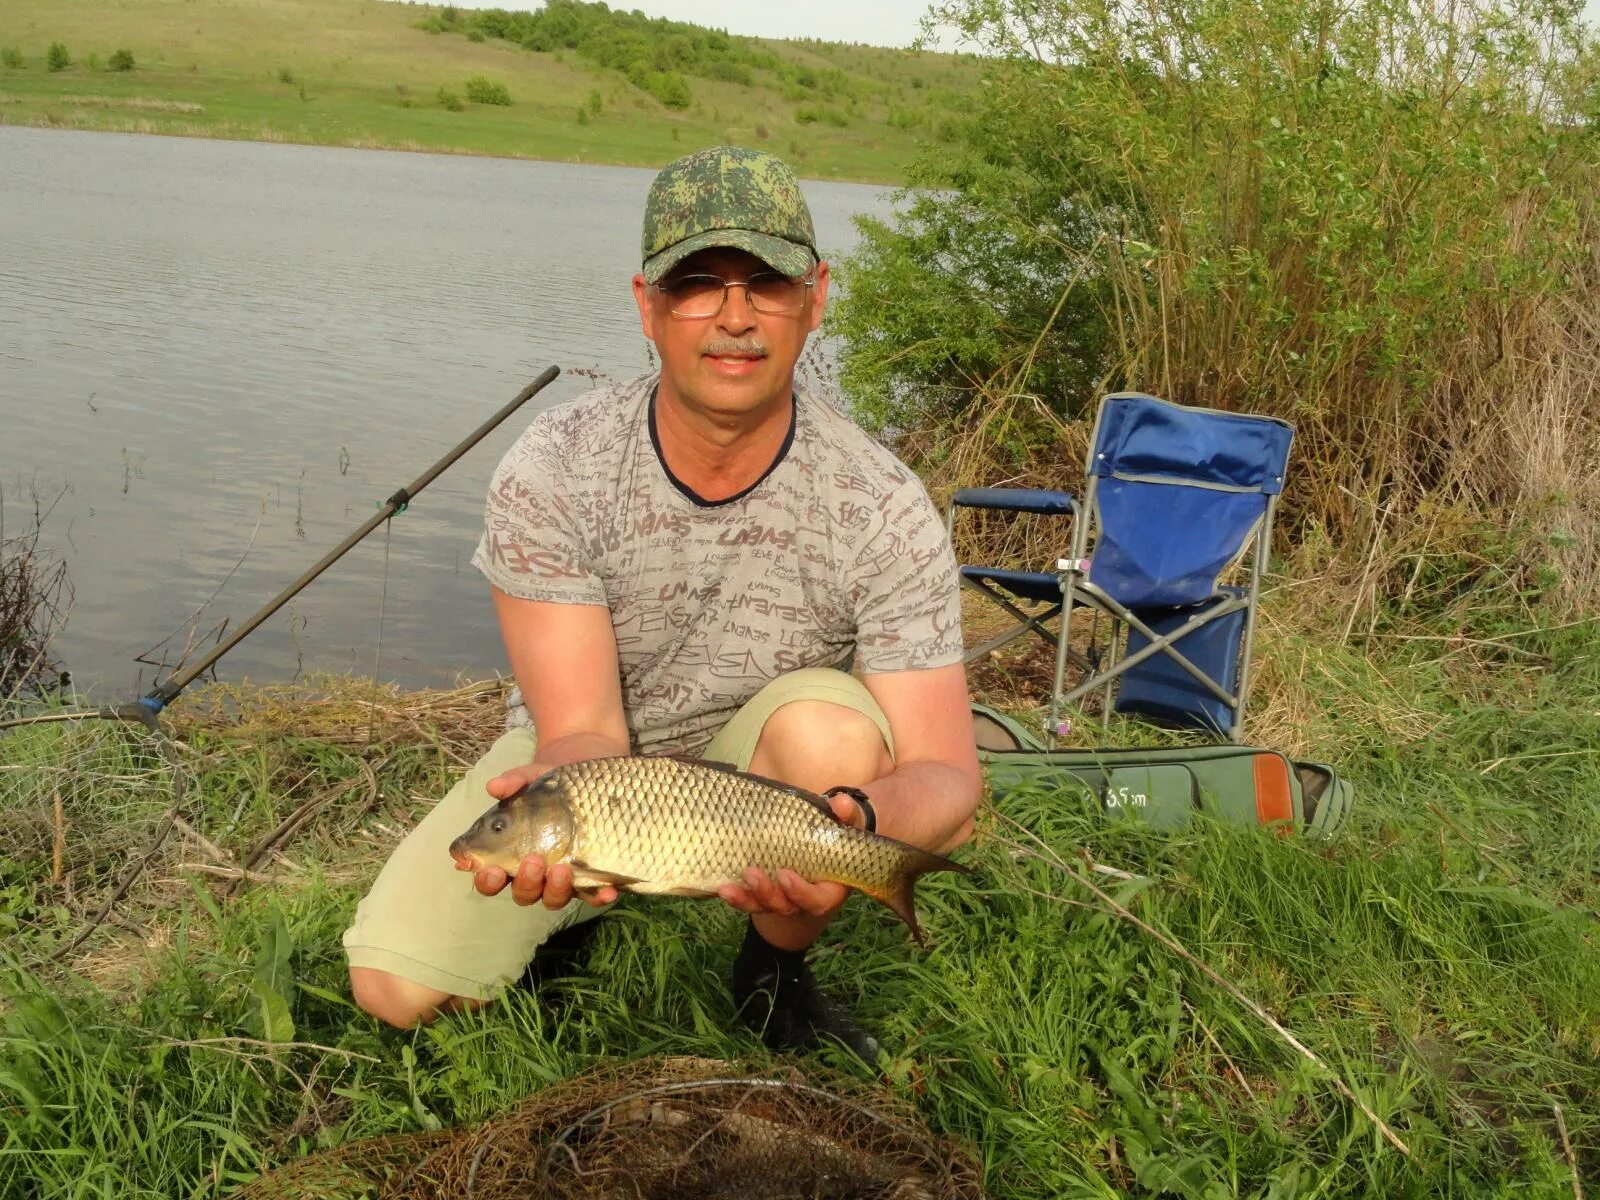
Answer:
[(899, 894)]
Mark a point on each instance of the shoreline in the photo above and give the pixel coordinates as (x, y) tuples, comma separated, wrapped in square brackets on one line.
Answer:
[(399, 147)]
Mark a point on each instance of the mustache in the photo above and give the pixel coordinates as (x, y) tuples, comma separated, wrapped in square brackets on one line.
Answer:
[(750, 346)]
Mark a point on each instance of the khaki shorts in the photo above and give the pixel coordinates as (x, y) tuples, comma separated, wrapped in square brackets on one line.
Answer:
[(424, 921)]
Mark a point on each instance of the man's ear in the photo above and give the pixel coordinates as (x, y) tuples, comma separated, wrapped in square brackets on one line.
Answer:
[(641, 297), (819, 295)]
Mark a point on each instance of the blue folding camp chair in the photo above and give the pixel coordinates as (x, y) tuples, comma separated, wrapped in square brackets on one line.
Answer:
[(1175, 496)]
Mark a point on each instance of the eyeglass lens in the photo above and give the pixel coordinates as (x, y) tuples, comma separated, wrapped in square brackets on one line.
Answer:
[(703, 295)]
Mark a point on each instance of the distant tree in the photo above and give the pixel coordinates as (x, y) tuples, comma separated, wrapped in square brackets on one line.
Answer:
[(120, 60), (57, 58), (11, 57)]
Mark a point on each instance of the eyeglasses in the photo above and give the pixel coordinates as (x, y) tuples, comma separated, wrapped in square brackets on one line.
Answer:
[(698, 297)]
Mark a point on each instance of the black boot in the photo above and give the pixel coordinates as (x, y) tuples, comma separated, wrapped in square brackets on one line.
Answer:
[(776, 995), (562, 955)]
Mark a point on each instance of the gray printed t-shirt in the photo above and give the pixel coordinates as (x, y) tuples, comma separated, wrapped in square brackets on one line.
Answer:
[(837, 553)]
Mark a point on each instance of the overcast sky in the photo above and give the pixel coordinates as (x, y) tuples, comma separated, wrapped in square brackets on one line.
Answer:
[(880, 22)]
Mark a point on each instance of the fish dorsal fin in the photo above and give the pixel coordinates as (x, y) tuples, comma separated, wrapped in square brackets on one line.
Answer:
[(799, 793)]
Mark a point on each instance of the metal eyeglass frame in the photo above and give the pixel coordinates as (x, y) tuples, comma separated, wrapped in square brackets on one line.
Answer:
[(809, 281)]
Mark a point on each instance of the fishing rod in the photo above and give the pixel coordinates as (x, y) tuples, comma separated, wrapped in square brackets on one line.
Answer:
[(147, 708)]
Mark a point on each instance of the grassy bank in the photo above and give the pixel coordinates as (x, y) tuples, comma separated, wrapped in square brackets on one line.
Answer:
[(1441, 957), (364, 73)]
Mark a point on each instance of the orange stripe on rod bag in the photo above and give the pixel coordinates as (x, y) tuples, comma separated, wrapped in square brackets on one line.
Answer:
[(1274, 799)]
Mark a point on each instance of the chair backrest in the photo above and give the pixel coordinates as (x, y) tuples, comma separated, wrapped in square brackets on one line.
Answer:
[(1174, 493)]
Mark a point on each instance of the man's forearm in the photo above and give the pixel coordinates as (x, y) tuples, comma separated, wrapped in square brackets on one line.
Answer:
[(927, 804)]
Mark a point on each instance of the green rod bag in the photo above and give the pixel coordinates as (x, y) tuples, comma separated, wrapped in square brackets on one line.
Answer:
[(1165, 786)]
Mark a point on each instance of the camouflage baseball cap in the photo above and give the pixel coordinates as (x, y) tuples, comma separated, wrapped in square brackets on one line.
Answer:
[(725, 196)]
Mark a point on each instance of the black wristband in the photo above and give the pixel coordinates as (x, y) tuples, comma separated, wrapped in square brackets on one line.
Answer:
[(862, 802)]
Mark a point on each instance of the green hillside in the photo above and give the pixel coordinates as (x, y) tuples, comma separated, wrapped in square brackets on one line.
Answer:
[(597, 86)]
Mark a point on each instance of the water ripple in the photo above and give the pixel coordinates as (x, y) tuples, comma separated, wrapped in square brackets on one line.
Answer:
[(199, 336)]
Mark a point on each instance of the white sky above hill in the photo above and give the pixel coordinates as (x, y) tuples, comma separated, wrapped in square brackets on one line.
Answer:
[(877, 22)]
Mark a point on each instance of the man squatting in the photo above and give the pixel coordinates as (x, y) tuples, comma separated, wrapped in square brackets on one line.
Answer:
[(689, 564)]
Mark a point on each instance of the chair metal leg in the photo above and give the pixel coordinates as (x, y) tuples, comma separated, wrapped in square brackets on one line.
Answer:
[(1158, 644), (1063, 634), (1257, 568), (1111, 674), (1026, 622)]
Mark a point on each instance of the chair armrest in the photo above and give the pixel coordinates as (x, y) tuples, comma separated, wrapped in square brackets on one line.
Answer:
[(1028, 500)]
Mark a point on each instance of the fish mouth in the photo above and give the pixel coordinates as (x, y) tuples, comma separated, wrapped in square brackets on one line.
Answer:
[(465, 859)]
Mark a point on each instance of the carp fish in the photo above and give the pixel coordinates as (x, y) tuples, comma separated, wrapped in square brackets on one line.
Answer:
[(681, 827)]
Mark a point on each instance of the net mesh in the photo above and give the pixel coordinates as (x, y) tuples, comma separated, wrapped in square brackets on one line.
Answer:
[(658, 1129)]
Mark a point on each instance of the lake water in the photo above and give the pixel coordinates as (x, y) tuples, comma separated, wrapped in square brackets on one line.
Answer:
[(212, 350)]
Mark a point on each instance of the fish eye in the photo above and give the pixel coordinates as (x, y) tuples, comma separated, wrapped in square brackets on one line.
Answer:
[(498, 825)]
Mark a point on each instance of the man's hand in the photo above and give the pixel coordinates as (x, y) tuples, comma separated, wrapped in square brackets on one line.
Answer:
[(536, 883), (513, 781), (785, 893)]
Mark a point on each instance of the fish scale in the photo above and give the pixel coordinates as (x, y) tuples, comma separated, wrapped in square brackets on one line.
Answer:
[(669, 826), (693, 820)]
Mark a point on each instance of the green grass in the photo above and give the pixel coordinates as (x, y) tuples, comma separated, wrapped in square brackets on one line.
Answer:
[(360, 73), (1440, 957)]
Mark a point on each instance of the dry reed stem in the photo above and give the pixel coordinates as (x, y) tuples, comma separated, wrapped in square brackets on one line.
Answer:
[(1212, 1038), (1566, 1148), (235, 874), (217, 853), (461, 721), (58, 844), (225, 1043)]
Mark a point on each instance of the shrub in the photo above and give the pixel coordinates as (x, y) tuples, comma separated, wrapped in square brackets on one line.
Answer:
[(1329, 215), (475, 35), (285, 75), (120, 60), (11, 57), (668, 87), (34, 595), (812, 114), (448, 99), (595, 102), (583, 115), (56, 58), (483, 90), (762, 133)]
